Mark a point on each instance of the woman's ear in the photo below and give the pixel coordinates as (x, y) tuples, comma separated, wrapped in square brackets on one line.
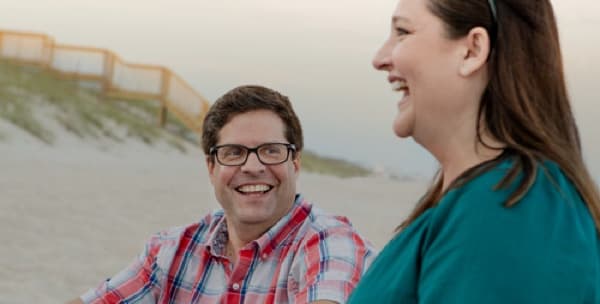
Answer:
[(477, 50)]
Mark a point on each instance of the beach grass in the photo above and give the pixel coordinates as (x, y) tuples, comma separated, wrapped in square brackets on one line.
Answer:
[(313, 162), (18, 111), (81, 111), (30, 96)]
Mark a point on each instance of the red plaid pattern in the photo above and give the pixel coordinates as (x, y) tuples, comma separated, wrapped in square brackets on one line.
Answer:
[(307, 256)]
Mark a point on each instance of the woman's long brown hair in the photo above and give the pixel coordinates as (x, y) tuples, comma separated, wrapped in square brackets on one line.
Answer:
[(526, 104)]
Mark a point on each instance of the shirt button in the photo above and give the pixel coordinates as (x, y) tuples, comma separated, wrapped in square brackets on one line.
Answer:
[(236, 286), (264, 256)]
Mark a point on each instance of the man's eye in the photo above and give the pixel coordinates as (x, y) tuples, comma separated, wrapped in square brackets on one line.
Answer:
[(232, 152), (272, 150)]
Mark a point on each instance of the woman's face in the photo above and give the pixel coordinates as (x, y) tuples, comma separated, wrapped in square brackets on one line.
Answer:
[(422, 65)]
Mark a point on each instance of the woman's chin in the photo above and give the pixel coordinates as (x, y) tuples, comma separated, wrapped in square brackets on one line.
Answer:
[(402, 135), (402, 127)]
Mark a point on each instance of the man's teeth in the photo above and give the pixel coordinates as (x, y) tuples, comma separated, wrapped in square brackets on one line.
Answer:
[(253, 188)]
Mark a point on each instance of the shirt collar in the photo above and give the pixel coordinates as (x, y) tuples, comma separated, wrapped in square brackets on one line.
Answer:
[(275, 237), (217, 239), (278, 235)]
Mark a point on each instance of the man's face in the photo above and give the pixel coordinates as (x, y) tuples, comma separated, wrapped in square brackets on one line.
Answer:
[(253, 193)]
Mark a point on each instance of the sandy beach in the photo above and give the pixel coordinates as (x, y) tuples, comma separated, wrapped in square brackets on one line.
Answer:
[(77, 212)]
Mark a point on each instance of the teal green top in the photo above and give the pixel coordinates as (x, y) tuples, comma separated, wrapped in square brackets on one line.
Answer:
[(472, 249)]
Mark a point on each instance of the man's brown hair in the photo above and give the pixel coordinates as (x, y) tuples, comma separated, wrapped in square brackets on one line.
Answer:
[(245, 99)]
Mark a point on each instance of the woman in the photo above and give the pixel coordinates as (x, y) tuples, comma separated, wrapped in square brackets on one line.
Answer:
[(512, 215)]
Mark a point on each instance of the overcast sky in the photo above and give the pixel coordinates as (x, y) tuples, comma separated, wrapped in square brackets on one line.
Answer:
[(318, 52)]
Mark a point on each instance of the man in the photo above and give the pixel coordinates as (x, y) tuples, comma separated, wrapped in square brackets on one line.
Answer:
[(267, 244)]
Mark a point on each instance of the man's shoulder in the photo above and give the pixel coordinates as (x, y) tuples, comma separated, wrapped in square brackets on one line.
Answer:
[(324, 224), (320, 219), (199, 230)]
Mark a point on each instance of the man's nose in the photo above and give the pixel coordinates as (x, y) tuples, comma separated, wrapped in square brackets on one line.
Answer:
[(253, 164)]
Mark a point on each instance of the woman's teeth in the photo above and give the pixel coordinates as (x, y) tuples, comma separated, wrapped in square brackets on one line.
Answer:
[(399, 85)]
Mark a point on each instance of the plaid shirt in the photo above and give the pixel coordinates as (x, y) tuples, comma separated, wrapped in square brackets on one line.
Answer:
[(306, 256)]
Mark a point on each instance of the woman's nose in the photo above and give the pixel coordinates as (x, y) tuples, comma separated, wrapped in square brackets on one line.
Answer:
[(382, 59)]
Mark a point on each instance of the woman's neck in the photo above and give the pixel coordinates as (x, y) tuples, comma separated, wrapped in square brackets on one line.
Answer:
[(454, 166), (458, 153)]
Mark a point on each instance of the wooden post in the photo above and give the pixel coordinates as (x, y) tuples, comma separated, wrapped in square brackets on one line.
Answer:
[(1, 44), (109, 67), (164, 96), (49, 45), (162, 115)]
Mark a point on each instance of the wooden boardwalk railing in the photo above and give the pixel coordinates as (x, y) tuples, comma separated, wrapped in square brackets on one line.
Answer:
[(117, 78)]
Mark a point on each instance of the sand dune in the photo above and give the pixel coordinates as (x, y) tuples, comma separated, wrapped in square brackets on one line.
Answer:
[(76, 213)]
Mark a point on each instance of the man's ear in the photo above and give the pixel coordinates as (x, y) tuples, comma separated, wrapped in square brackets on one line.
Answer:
[(297, 163), (476, 50), (210, 165)]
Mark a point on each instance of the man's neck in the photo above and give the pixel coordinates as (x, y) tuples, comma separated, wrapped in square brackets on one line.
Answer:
[(240, 235)]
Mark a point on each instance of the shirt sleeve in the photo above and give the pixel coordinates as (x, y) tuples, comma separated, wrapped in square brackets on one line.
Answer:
[(138, 283), (331, 262)]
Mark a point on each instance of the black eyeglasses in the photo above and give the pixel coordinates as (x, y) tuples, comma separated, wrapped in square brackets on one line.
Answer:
[(267, 153)]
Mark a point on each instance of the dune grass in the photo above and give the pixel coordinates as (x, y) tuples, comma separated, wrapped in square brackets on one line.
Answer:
[(313, 162), (29, 96), (15, 109), (83, 112)]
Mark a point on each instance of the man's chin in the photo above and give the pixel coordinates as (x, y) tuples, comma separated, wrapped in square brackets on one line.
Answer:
[(257, 217)]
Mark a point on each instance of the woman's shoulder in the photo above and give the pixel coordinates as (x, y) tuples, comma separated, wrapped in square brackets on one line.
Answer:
[(549, 183), (552, 200), (552, 182), (481, 190)]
